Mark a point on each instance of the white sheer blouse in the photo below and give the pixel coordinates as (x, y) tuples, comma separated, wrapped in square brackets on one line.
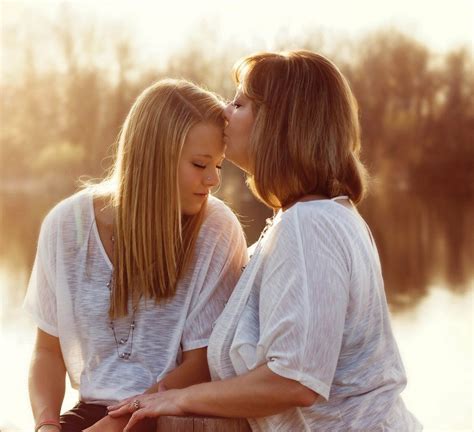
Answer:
[(311, 305), (68, 298)]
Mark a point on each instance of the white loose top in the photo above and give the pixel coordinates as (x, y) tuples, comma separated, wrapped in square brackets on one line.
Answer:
[(311, 305), (68, 298)]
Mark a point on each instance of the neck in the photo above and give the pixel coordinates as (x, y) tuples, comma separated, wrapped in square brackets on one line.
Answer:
[(104, 212), (311, 197)]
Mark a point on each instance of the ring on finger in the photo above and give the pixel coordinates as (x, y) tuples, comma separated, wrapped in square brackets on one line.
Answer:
[(136, 405)]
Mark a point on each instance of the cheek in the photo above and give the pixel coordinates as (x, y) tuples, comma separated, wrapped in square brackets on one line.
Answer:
[(244, 132), (249, 124), (188, 179), (245, 125)]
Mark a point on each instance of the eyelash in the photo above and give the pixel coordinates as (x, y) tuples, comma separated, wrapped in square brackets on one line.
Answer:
[(235, 104), (204, 166)]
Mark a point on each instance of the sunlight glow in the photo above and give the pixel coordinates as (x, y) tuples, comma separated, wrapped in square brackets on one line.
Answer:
[(156, 29)]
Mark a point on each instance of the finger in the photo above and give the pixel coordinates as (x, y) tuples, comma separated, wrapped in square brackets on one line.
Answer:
[(124, 402), (125, 409), (136, 417), (161, 387), (118, 405)]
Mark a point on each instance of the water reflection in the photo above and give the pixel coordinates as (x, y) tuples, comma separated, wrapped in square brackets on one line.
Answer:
[(17, 335), (424, 242), (436, 344)]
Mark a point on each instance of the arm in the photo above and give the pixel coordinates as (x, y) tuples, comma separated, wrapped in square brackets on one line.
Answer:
[(258, 393), (192, 370), (46, 379), (302, 308)]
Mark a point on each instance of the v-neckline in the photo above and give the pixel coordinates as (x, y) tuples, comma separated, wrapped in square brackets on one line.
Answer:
[(95, 229)]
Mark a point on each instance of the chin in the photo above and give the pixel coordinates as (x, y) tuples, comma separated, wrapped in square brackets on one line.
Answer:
[(239, 164), (191, 210)]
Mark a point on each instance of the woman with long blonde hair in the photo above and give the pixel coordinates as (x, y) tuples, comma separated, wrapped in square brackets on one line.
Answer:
[(131, 274), (304, 343)]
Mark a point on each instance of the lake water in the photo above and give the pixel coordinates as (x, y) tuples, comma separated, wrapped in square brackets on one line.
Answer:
[(427, 256)]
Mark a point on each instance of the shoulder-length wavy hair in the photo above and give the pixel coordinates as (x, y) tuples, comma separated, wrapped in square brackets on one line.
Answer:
[(154, 243), (306, 137)]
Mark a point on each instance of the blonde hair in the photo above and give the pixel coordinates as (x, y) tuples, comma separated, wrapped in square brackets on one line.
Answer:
[(154, 243), (306, 137)]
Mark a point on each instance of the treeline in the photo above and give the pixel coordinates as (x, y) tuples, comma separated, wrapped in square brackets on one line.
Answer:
[(417, 114), (60, 121), (416, 108)]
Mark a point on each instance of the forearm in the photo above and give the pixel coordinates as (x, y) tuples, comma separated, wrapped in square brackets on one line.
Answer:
[(191, 371), (256, 394), (46, 385)]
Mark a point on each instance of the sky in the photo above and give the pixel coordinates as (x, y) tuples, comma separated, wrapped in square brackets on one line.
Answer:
[(158, 28)]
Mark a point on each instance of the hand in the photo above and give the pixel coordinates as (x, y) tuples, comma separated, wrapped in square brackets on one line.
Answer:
[(161, 388), (109, 424), (130, 400), (149, 406)]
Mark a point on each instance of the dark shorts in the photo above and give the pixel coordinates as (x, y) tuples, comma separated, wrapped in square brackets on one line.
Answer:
[(82, 416), (85, 415)]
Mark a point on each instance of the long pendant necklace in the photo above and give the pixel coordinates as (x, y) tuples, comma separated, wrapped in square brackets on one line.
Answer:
[(122, 354)]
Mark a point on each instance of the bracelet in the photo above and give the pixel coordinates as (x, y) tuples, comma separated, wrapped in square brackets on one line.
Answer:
[(48, 422)]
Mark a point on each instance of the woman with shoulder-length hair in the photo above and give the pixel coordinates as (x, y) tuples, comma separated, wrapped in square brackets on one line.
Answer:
[(131, 274), (305, 341)]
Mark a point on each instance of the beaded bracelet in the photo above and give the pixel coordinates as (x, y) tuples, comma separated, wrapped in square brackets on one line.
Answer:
[(47, 422)]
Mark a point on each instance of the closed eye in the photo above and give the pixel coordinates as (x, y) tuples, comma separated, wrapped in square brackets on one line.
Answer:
[(199, 165)]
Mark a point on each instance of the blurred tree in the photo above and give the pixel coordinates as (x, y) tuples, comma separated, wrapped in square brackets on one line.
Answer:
[(446, 160), (392, 81), (82, 87), (60, 121)]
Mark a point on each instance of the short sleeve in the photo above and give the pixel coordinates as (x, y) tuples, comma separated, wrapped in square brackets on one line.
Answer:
[(221, 253), (303, 303), (40, 299)]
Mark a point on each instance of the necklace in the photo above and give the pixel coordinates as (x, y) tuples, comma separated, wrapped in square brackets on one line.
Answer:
[(122, 352)]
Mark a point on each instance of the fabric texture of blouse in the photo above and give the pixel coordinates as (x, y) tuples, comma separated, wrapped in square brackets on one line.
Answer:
[(311, 305), (68, 297)]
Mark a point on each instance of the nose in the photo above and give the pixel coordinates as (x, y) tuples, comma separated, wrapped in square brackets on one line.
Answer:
[(228, 110), (212, 179)]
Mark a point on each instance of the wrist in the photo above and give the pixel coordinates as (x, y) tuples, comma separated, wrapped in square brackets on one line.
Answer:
[(49, 425), (184, 400), (49, 428)]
